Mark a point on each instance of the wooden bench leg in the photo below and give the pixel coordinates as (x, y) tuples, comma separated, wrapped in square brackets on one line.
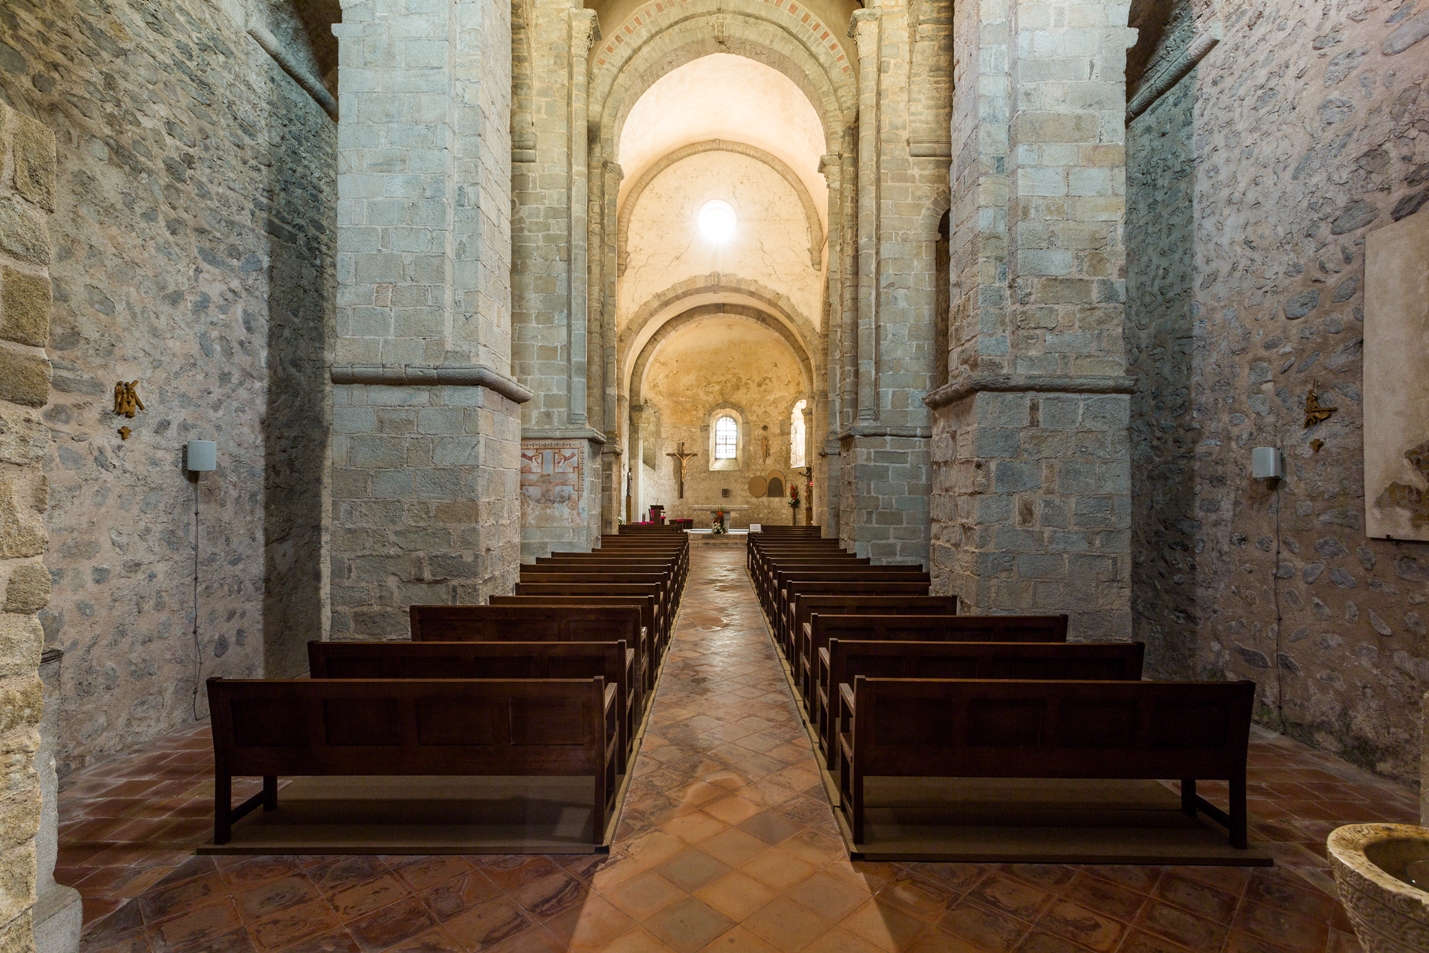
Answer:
[(1238, 825), (270, 792), (222, 808), (598, 817), (1188, 796)]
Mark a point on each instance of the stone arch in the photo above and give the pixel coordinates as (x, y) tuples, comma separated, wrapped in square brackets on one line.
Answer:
[(682, 33), (811, 213), (665, 306), (660, 14), (703, 312)]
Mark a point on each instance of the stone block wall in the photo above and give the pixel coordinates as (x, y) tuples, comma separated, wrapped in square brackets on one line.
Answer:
[(1033, 507), (27, 196), (1253, 184), (883, 513), (425, 491), (426, 437), (192, 240)]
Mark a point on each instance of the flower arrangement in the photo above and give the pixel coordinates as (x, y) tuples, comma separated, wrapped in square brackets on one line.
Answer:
[(718, 527), (793, 496)]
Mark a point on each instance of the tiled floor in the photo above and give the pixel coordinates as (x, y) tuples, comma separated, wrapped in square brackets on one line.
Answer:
[(726, 844)]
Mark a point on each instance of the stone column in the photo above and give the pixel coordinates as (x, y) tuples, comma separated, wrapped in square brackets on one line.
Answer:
[(636, 444), (425, 449), (552, 293), (1031, 455), (59, 913), (27, 184), (883, 470)]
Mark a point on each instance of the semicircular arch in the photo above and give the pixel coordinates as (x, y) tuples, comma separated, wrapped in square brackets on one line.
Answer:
[(632, 198), (682, 35), (695, 315), (732, 291)]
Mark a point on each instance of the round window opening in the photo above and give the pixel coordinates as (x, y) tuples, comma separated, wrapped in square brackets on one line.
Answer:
[(717, 220)]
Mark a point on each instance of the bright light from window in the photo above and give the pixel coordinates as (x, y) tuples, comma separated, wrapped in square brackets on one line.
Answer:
[(726, 438), (717, 221)]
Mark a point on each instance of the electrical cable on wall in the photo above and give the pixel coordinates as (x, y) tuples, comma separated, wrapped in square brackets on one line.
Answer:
[(1279, 622), (198, 653), (199, 456)]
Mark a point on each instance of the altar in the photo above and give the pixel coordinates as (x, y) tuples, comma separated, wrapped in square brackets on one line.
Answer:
[(714, 508)]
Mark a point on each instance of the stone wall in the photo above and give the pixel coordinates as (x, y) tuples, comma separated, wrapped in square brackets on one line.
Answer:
[(712, 365), (192, 253), (1253, 184), (426, 438), (27, 196), (1031, 506)]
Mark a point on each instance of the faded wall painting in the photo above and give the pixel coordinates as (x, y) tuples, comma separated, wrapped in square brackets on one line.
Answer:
[(1396, 380), (551, 479)]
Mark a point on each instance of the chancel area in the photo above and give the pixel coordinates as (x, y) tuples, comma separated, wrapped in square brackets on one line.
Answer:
[(714, 475)]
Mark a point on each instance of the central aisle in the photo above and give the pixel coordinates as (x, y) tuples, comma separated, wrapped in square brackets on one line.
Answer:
[(726, 832)]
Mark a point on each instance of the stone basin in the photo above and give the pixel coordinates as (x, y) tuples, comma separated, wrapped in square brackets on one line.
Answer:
[(1372, 867)]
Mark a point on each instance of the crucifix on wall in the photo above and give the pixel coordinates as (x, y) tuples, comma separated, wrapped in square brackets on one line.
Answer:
[(683, 458)]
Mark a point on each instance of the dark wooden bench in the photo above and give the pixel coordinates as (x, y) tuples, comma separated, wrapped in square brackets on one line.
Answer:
[(765, 575), (646, 605), (539, 623), (1038, 661), (877, 626), (789, 622), (507, 660), (615, 562), (571, 575), (856, 603), (659, 634), (1048, 729), (474, 727), (788, 584)]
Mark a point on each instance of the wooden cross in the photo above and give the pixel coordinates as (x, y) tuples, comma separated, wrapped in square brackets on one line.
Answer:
[(683, 458)]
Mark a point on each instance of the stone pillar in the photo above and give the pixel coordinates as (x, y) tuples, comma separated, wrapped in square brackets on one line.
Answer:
[(883, 470), (551, 282), (425, 449), (59, 914), (636, 457), (27, 184), (1031, 454)]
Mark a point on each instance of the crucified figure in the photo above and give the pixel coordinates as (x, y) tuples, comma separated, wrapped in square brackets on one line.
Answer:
[(683, 459)]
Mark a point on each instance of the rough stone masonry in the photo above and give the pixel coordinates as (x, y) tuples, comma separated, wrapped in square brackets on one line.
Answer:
[(27, 199)]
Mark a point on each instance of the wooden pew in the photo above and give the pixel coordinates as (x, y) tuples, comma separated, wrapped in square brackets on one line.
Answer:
[(660, 634), (767, 575), (477, 727), (908, 627), (1048, 729), (569, 576), (1044, 661), (856, 603), (540, 623), (618, 562), (506, 660), (645, 605), (788, 583), (788, 625)]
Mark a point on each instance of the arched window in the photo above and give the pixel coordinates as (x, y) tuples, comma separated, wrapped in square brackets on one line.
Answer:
[(726, 438), (796, 435)]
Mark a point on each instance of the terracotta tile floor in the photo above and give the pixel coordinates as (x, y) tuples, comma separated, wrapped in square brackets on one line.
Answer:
[(726, 844)]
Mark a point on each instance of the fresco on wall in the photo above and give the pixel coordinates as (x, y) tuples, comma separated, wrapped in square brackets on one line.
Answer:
[(551, 479), (1396, 388)]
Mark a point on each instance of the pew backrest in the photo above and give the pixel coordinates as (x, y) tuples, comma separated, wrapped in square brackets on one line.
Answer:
[(409, 726), (1051, 729)]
